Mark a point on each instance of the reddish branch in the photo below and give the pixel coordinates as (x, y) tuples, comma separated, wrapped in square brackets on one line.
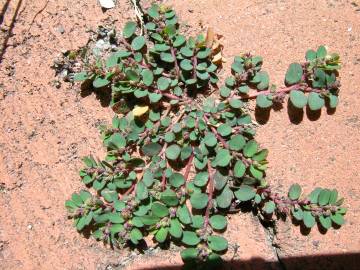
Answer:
[(210, 195), (283, 90), (131, 189), (188, 166), (175, 61), (218, 136), (194, 66)]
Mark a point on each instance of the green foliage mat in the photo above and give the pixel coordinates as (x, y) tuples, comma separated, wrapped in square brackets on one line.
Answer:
[(181, 155)]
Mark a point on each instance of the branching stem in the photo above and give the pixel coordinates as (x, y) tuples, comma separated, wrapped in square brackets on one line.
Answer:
[(210, 196)]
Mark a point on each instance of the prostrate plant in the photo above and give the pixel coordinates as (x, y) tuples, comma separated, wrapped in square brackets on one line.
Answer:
[(180, 160)]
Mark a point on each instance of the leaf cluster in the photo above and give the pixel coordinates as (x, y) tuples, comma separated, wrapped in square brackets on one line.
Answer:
[(179, 159)]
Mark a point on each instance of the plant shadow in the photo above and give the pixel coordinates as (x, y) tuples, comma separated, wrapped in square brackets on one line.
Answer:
[(348, 261), (296, 115), (102, 94)]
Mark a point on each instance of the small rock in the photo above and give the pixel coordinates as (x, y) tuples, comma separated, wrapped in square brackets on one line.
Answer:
[(107, 4), (316, 243), (61, 29), (29, 227)]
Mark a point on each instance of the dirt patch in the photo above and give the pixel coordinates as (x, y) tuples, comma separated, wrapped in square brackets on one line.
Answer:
[(45, 130)]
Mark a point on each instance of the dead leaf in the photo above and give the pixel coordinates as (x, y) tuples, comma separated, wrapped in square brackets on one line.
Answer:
[(140, 110)]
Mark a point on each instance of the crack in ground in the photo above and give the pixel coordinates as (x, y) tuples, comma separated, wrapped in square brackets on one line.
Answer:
[(270, 233)]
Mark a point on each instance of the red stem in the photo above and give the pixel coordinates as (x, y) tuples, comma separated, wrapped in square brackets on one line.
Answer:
[(279, 91), (188, 166), (129, 190), (210, 196), (194, 66), (218, 136), (176, 64)]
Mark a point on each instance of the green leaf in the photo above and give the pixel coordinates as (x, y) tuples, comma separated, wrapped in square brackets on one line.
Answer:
[(82, 76), (262, 80), (309, 220), (297, 213), (225, 91), (224, 130), (217, 243), (235, 103), (151, 149), (201, 179), (141, 191), (132, 75), (176, 180), (199, 200), (173, 152), (186, 152), (129, 29), (179, 41), (237, 67), (148, 77), (186, 65), (324, 197), (225, 198), (203, 53), (138, 43), (223, 157), (112, 60), (153, 11), (250, 148), (161, 235), (135, 236), (115, 218), (333, 101), (255, 172), (167, 57), (169, 197), (325, 222), (140, 93), (154, 97), (148, 178), (190, 238), (100, 82), (163, 83), (321, 52), (298, 99), (261, 155), (269, 207), (186, 51), (149, 220), (117, 141), (333, 197), (293, 74), (198, 221), (245, 193), (310, 55), (175, 228), (210, 139), (237, 142), (314, 195), (239, 169), (294, 192), (159, 209), (218, 222), (338, 219), (183, 214), (319, 79), (189, 255), (264, 101), (161, 47)]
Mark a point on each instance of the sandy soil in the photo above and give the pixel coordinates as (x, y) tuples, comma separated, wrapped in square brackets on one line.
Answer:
[(45, 131)]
